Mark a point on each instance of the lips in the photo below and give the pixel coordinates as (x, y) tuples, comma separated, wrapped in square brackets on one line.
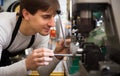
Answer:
[(47, 29)]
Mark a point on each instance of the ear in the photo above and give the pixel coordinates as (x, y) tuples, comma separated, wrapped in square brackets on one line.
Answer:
[(25, 14)]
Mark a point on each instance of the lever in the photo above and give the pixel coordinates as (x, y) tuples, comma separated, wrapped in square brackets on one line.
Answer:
[(59, 12), (67, 55)]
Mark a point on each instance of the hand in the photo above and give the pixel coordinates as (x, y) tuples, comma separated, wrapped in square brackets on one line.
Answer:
[(39, 57), (61, 49)]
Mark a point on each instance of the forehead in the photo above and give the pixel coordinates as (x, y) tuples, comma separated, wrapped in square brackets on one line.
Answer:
[(49, 11), (39, 12)]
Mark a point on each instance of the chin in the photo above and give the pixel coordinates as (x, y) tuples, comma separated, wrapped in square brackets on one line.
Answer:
[(44, 34)]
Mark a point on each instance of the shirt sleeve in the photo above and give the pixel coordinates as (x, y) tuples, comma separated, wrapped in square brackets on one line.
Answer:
[(16, 69), (47, 70)]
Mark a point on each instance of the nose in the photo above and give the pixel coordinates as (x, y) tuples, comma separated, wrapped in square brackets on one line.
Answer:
[(51, 22)]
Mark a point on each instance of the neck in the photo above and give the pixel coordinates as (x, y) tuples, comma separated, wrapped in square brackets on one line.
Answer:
[(25, 28)]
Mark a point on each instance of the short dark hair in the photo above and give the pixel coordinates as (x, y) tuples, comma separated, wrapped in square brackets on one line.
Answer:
[(32, 6)]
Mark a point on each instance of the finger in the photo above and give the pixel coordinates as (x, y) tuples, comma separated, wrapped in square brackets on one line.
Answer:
[(43, 63), (47, 50), (63, 43), (60, 42), (43, 59), (44, 52), (68, 41)]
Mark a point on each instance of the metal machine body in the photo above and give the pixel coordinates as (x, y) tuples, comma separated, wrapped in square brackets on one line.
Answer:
[(80, 31)]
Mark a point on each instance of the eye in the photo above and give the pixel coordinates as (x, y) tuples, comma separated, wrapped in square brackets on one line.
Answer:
[(46, 16)]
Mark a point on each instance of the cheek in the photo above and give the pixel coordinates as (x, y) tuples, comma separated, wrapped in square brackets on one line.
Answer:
[(38, 23), (41, 24)]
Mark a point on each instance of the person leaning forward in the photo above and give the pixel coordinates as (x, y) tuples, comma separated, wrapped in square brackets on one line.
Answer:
[(29, 30)]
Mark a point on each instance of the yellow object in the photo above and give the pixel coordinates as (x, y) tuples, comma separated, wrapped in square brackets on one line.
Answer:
[(35, 73), (17, 8)]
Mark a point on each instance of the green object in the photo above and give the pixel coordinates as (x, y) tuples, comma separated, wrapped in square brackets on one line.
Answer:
[(97, 15), (97, 36), (73, 69), (75, 66), (104, 50)]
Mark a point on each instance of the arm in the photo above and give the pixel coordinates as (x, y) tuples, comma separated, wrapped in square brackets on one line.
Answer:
[(60, 49), (16, 69), (46, 70), (39, 57), (31, 62)]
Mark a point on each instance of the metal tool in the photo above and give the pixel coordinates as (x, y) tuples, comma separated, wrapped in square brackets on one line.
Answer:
[(67, 55), (58, 12)]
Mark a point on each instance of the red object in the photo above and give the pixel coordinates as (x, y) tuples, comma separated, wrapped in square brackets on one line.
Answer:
[(52, 33)]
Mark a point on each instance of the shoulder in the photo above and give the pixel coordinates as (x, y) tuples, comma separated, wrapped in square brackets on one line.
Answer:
[(7, 15), (7, 19), (7, 24)]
